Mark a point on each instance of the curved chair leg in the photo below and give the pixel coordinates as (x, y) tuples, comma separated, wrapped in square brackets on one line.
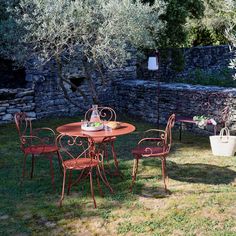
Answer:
[(24, 162), (104, 148), (52, 173), (59, 162), (104, 151), (114, 156), (135, 170), (98, 182), (69, 182), (104, 178), (164, 172), (165, 161), (32, 166), (79, 178), (91, 188), (63, 187)]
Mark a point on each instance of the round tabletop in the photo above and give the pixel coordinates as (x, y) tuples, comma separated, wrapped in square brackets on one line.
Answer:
[(74, 129)]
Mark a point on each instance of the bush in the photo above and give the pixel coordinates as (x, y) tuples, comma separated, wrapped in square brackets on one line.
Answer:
[(223, 78)]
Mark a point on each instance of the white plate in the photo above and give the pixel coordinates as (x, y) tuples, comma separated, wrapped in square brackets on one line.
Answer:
[(86, 128)]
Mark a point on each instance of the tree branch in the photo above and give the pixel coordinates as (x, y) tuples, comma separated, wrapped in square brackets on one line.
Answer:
[(91, 84), (61, 84), (101, 74)]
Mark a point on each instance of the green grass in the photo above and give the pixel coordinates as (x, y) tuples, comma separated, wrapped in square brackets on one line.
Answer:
[(202, 199)]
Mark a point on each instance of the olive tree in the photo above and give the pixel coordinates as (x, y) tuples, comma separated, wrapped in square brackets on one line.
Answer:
[(101, 29), (229, 12)]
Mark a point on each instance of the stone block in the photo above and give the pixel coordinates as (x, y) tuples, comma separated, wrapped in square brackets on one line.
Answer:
[(34, 78), (25, 93), (27, 98), (2, 108), (13, 110), (27, 108), (7, 117), (15, 101), (31, 114), (4, 104)]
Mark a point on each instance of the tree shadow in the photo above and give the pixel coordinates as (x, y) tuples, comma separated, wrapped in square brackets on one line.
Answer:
[(195, 173), (200, 173)]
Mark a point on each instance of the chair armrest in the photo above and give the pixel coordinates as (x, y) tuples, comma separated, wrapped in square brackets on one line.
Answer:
[(45, 133), (29, 140), (148, 152), (155, 130), (161, 137), (37, 130), (151, 140)]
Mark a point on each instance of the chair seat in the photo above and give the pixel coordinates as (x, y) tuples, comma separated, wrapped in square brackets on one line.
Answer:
[(101, 139), (39, 149), (148, 150), (80, 163)]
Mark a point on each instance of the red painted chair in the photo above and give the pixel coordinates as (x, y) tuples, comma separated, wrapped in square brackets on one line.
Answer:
[(35, 142), (78, 154), (106, 114), (156, 147)]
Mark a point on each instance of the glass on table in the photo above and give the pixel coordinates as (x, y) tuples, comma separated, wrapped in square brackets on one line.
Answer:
[(84, 122), (107, 128)]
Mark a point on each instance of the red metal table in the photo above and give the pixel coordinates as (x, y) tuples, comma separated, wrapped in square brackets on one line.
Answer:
[(74, 129), (189, 120)]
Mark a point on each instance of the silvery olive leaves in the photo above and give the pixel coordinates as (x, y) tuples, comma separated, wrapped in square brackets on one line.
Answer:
[(229, 14), (102, 29)]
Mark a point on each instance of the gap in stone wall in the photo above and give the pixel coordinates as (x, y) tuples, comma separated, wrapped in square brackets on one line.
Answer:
[(77, 81), (11, 76)]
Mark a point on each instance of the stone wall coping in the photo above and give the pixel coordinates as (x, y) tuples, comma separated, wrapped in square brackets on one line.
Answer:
[(176, 86), (15, 90)]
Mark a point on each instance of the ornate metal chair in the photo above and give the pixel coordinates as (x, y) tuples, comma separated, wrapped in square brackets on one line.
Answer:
[(78, 154), (106, 114), (35, 142), (157, 147)]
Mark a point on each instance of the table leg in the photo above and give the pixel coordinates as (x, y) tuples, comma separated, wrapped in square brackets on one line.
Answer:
[(215, 129), (100, 170)]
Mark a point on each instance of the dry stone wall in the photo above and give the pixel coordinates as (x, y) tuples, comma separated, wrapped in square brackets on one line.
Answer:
[(50, 100), (140, 98), (196, 62), (43, 96), (16, 100)]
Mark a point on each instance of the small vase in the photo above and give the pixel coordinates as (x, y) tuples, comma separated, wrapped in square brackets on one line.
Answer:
[(95, 114)]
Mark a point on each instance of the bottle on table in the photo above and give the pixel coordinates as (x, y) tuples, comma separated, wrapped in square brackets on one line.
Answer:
[(95, 114)]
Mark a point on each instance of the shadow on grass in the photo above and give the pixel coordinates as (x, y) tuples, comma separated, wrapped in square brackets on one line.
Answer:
[(195, 173), (201, 173)]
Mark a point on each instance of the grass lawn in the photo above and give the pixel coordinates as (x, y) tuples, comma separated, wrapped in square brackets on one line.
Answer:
[(202, 199)]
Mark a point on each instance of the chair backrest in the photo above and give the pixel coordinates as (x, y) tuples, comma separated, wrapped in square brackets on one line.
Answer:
[(105, 113), (23, 125), (73, 147), (168, 131)]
